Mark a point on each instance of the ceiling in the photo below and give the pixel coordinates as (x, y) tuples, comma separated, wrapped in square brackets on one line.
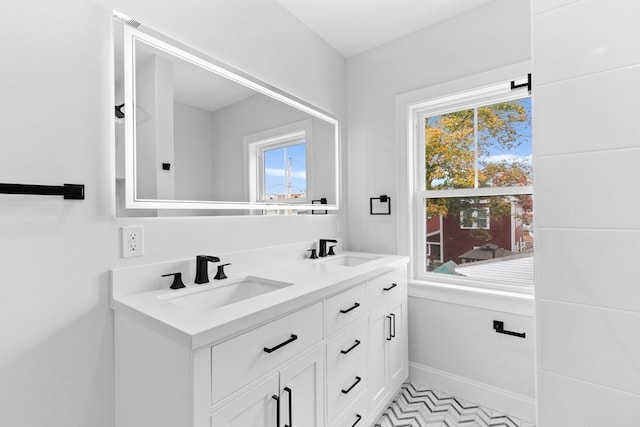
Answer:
[(354, 26)]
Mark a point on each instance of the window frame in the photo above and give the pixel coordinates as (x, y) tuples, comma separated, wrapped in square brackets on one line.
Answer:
[(474, 219), (417, 113), (261, 147), (256, 144)]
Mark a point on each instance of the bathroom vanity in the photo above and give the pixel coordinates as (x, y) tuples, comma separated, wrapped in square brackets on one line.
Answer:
[(284, 341)]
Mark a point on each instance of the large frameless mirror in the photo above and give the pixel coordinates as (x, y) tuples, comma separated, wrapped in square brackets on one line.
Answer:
[(201, 136)]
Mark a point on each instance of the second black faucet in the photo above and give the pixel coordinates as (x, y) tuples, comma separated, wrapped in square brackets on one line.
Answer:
[(323, 247)]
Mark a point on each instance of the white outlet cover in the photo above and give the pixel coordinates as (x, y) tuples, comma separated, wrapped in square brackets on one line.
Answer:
[(132, 241)]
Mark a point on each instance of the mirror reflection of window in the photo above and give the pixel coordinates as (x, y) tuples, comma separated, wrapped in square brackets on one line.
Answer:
[(285, 172)]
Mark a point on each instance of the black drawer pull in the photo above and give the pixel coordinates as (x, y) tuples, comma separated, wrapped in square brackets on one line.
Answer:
[(288, 390), (353, 307), (358, 379), (390, 287), (358, 418), (282, 344), (393, 334), (390, 325), (277, 399), (357, 343)]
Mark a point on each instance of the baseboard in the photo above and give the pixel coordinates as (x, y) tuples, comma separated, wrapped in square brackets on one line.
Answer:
[(505, 401)]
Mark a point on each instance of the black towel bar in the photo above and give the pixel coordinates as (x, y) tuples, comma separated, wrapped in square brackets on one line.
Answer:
[(499, 328), (69, 191)]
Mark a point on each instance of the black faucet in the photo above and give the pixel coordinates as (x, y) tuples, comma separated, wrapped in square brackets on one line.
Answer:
[(202, 267), (323, 246)]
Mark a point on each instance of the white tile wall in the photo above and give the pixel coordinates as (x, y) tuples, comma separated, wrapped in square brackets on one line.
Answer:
[(590, 190), (571, 403), (586, 59), (592, 267), (601, 346), (585, 37), (603, 99)]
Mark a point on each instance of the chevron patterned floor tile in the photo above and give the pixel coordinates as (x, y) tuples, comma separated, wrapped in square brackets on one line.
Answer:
[(416, 406)]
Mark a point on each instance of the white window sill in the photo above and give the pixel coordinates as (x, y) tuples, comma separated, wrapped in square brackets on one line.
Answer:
[(505, 298)]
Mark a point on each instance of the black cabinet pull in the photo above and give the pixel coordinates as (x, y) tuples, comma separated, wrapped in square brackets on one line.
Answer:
[(282, 344), (288, 390), (390, 320), (353, 307), (357, 343), (393, 285), (393, 334), (358, 379), (358, 418), (499, 328), (277, 399)]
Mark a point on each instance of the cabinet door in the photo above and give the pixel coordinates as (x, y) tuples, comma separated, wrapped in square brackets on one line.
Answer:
[(255, 408), (302, 391), (396, 352), (379, 333)]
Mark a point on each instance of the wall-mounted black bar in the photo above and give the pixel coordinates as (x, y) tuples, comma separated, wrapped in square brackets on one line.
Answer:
[(499, 328), (69, 191), (518, 86), (383, 199), (321, 201), (119, 112)]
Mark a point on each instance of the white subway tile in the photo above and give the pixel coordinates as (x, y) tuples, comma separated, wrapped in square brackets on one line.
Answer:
[(593, 267), (594, 113), (566, 402), (590, 190), (585, 37), (591, 344)]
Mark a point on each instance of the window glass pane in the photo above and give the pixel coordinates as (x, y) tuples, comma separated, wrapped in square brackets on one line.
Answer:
[(504, 144), (450, 150), (285, 175), (481, 237)]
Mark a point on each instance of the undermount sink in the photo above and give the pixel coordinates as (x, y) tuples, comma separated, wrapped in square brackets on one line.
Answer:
[(348, 260), (212, 296)]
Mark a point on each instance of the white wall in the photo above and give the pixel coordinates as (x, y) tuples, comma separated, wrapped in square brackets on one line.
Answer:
[(452, 346), (587, 76), (194, 153), (56, 126), (491, 36)]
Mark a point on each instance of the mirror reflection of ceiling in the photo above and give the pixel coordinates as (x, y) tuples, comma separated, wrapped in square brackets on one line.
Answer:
[(194, 85)]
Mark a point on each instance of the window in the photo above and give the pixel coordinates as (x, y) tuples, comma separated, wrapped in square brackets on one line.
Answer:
[(474, 218), (283, 171), (474, 181), (277, 163)]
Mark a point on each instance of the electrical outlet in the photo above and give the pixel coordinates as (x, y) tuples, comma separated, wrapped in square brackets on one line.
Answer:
[(132, 241)]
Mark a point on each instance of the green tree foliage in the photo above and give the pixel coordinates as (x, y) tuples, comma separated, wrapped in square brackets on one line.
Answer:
[(458, 156)]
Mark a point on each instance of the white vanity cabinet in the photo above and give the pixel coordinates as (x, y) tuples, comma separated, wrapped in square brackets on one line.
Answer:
[(290, 397), (388, 344), (331, 361), (347, 338)]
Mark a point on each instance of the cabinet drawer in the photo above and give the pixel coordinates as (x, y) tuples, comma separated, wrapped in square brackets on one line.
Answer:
[(345, 385), (345, 307), (386, 287), (347, 346), (355, 415), (242, 359)]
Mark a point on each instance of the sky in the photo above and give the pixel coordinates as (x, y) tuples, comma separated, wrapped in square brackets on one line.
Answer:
[(275, 164)]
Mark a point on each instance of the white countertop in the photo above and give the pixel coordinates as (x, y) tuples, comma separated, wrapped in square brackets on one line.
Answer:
[(311, 280)]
